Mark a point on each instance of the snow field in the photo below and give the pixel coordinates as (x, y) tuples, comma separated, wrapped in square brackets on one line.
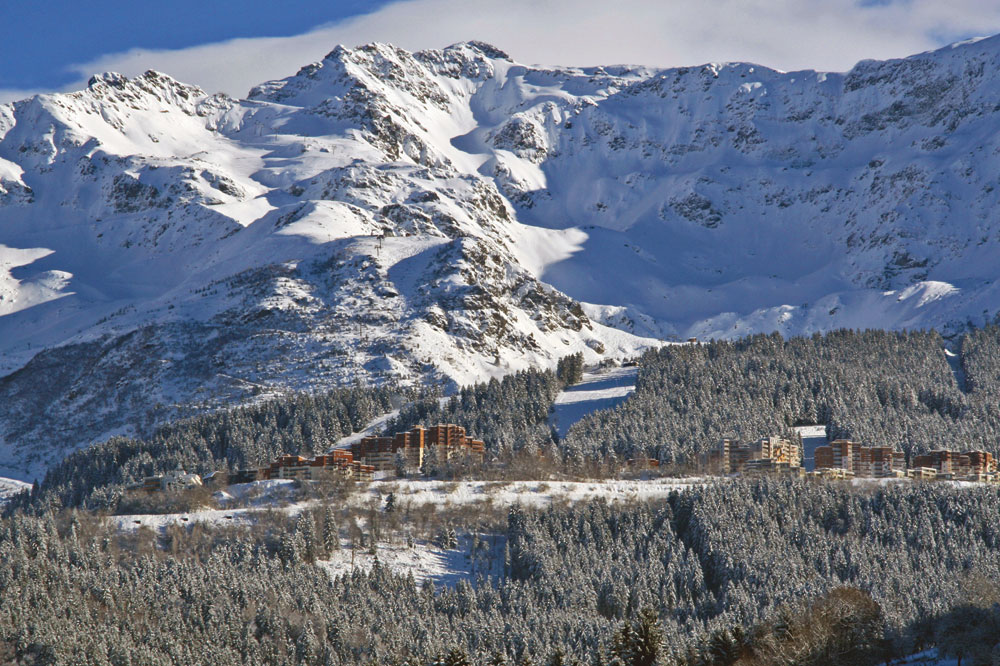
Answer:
[(424, 561), (528, 493)]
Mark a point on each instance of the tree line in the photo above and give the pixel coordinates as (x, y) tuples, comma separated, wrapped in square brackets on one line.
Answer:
[(878, 387)]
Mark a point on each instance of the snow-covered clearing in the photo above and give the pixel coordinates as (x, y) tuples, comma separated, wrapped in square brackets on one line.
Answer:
[(261, 496), (279, 494), (955, 362), (426, 561), (602, 389), (374, 427), (530, 493)]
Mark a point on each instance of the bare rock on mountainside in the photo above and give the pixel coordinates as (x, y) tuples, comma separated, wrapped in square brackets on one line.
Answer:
[(444, 216)]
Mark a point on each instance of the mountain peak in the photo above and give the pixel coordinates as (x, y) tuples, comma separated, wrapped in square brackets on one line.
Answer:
[(382, 215), (113, 79), (484, 48), (114, 87)]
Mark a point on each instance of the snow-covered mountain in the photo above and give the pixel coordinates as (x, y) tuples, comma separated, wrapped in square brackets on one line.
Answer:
[(449, 215)]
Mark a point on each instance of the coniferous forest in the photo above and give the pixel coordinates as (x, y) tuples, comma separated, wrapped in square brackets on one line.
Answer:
[(747, 572), (877, 387), (729, 572)]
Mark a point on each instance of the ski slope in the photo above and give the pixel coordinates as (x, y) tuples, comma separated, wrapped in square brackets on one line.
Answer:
[(600, 389)]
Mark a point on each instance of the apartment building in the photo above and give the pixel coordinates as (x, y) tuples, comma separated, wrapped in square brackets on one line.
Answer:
[(381, 452), (838, 454), (776, 449), (957, 465), (719, 459), (981, 462), (886, 462), (338, 463), (410, 448), (860, 461), (843, 458), (942, 461), (770, 454)]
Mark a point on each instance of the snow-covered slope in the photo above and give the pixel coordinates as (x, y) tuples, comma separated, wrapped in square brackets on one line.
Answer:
[(605, 388), (11, 487), (447, 215)]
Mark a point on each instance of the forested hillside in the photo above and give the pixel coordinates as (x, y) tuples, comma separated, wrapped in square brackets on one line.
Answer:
[(712, 563), (878, 387), (244, 437), (509, 414)]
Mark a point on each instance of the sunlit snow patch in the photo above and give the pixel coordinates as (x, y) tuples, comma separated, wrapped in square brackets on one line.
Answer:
[(599, 390)]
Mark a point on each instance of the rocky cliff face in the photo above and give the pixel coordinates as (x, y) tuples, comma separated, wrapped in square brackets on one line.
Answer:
[(448, 215)]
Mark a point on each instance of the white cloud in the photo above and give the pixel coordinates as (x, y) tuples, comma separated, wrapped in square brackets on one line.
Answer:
[(785, 34), (14, 94)]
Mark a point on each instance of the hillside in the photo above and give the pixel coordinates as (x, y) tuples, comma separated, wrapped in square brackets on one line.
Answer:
[(742, 572), (882, 388), (444, 216)]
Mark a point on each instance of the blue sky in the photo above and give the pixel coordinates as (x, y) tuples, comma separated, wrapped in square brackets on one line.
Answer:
[(40, 40), (229, 45)]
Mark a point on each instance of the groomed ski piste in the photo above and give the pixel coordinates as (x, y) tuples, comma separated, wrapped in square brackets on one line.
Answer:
[(604, 388)]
